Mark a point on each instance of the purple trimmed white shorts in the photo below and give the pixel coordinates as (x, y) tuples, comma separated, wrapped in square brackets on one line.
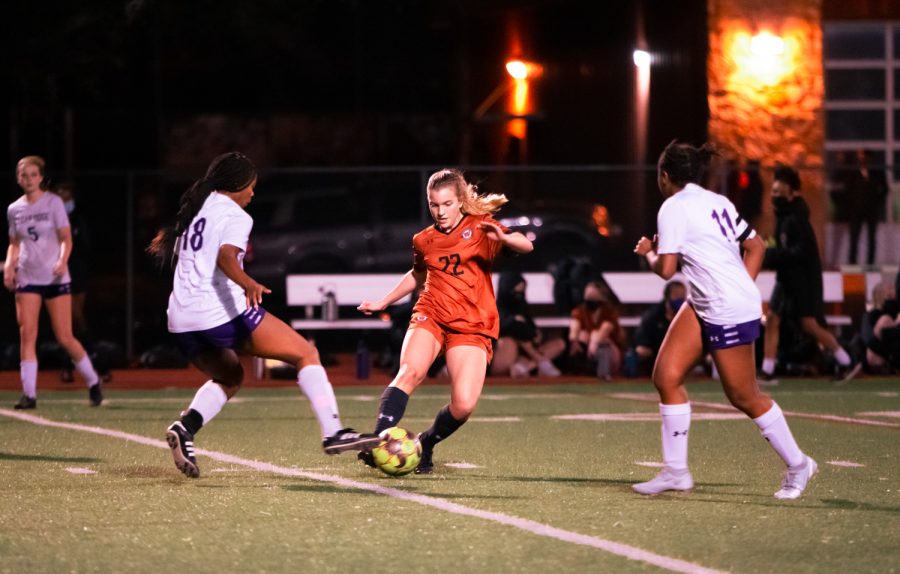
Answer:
[(727, 336), (225, 336)]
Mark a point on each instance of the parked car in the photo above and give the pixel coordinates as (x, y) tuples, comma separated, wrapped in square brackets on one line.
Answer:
[(340, 230)]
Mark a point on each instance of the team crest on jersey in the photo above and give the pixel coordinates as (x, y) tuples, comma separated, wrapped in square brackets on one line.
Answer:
[(467, 234), (421, 318)]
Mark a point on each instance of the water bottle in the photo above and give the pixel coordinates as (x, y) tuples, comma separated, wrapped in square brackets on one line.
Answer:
[(603, 363), (329, 306), (363, 362), (631, 364)]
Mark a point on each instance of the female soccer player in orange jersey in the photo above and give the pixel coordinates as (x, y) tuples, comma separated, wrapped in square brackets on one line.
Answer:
[(456, 313)]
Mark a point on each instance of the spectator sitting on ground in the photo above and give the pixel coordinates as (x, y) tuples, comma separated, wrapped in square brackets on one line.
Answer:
[(521, 347), (881, 330), (654, 324), (595, 338)]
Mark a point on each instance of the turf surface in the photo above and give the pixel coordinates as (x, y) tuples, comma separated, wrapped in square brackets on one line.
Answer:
[(82, 502)]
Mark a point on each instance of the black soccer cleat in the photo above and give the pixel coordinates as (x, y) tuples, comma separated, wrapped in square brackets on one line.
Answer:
[(348, 439), (182, 444), (846, 374), (25, 402), (366, 457), (426, 466), (95, 394)]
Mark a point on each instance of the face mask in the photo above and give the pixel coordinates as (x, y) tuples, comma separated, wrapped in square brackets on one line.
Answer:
[(780, 202), (69, 205), (675, 304), (592, 305)]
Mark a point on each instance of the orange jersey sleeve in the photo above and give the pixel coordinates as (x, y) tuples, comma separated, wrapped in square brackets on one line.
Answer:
[(458, 292)]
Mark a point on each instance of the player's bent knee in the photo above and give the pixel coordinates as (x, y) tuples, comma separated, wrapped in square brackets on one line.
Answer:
[(309, 356), (408, 375)]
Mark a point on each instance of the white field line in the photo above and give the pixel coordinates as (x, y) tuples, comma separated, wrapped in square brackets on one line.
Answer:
[(885, 414), (524, 524), (845, 463), (652, 398), (80, 470)]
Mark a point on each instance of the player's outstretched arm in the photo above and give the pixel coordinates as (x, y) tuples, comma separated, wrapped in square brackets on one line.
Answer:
[(404, 287), (227, 261), (664, 265), (514, 241)]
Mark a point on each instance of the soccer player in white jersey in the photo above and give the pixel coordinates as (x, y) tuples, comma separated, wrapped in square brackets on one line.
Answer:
[(36, 268), (703, 230), (214, 310)]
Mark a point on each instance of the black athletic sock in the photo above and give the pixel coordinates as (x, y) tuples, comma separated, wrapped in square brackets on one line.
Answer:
[(393, 405), (444, 425), (192, 421)]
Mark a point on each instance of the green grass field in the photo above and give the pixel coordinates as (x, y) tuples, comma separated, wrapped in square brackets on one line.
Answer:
[(529, 492)]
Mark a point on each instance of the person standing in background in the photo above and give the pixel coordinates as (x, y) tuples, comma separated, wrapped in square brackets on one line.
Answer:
[(867, 190), (37, 270)]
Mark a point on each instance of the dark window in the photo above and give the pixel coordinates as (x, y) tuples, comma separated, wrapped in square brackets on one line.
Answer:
[(859, 84), (843, 125), (854, 42)]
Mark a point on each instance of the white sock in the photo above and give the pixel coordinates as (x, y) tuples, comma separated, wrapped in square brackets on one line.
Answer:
[(314, 383), (774, 429), (768, 366), (28, 371), (842, 357), (86, 368), (676, 420), (209, 400)]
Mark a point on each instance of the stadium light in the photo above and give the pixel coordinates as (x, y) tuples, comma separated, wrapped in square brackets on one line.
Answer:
[(641, 58)]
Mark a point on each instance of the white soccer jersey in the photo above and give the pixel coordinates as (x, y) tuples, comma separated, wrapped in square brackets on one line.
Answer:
[(202, 296), (705, 228), (36, 226)]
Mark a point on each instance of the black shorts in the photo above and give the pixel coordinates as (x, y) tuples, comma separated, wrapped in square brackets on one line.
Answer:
[(805, 301), (47, 291)]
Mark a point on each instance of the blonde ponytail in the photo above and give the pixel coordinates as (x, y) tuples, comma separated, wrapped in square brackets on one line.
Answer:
[(470, 202)]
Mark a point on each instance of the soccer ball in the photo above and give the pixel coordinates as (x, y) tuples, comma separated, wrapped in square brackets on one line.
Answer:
[(398, 452)]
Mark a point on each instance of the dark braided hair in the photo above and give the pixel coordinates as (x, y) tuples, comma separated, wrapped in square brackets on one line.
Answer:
[(229, 172), (685, 163)]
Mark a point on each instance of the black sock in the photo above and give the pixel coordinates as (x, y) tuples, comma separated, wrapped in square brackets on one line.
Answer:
[(393, 405), (444, 425), (192, 421)]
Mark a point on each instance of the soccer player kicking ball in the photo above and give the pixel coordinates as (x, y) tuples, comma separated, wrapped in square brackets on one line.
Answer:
[(214, 310), (704, 231), (456, 313)]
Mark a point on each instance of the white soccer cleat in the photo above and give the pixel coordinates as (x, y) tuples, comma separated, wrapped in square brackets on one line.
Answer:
[(668, 479), (796, 479), (548, 369)]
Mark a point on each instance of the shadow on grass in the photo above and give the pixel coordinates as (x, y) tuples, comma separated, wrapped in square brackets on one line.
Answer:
[(587, 481), (808, 503), (46, 458), (853, 505)]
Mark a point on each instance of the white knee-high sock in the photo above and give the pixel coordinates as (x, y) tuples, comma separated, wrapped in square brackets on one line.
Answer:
[(28, 371), (314, 382), (86, 368), (676, 421), (774, 429), (209, 400)]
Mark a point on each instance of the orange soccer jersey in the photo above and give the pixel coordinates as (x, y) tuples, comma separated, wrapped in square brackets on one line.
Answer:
[(458, 292)]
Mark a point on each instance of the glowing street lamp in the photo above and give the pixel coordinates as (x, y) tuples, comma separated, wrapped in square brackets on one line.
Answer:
[(641, 58)]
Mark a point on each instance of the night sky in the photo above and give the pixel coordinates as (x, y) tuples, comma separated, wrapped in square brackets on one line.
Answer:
[(411, 72)]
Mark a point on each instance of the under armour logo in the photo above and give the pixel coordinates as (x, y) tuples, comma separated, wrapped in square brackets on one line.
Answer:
[(388, 417), (682, 433)]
